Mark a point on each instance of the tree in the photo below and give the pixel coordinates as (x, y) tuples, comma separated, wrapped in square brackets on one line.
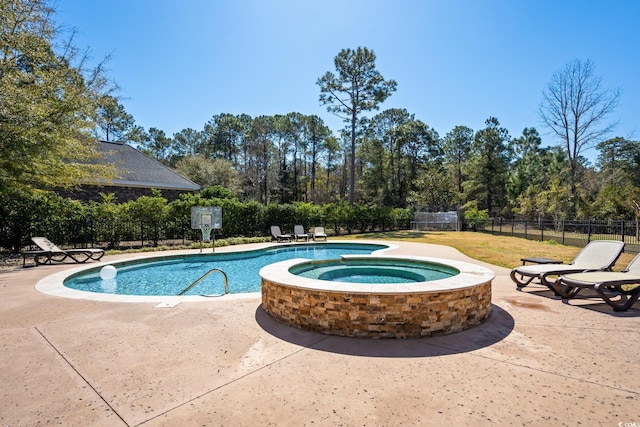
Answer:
[(157, 145), (456, 147), (418, 147), (318, 134), (289, 132), (261, 170), (487, 167), (533, 170), (619, 160), (47, 102), (332, 161), (223, 136), (574, 108), (358, 87), (112, 120), (434, 190), (206, 172), (395, 150), (186, 142), (528, 165)]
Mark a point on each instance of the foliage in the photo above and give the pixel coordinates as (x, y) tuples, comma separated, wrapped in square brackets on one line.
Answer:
[(456, 147), (206, 172), (487, 167), (111, 216), (475, 216), (46, 103), (151, 212), (434, 191), (156, 144), (395, 149), (53, 105), (574, 108), (358, 87), (112, 120)]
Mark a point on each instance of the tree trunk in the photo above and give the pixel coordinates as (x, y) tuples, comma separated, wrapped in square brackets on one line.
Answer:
[(352, 186)]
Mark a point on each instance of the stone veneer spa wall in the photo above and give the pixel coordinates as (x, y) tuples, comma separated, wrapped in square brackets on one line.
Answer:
[(408, 311)]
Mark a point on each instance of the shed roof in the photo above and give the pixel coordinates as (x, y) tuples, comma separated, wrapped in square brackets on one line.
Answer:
[(136, 169)]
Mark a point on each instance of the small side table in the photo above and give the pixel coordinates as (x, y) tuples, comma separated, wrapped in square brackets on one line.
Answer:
[(36, 257), (535, 260)]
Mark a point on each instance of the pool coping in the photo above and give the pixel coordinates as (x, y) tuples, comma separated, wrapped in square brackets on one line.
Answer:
[(470, 275), (54, 284)]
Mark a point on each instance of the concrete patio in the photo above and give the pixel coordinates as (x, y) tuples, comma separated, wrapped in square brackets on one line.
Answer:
[(225, 362)]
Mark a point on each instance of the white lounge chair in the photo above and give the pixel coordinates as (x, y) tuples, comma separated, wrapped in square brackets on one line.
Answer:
[(607, 284), (596, 255), (318, 232), (51, 252)]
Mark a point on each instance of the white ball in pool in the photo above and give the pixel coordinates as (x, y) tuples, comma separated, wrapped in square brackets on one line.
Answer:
[(108, 272)]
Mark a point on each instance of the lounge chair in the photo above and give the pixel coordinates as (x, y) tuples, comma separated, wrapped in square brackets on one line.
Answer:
[(50, 252), (596, 255), (298, 232), (318, 232), (277, 234), (607, 284)]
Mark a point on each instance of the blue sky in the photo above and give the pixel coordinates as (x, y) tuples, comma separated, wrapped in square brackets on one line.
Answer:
[(456, 62)]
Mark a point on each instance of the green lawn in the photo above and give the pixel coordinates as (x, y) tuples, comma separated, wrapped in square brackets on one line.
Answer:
[(503, 251)]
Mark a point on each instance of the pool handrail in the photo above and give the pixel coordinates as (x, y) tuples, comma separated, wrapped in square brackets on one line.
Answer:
[(201, 278)]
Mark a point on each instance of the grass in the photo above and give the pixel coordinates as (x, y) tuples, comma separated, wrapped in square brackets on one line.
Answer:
[(504, 251)]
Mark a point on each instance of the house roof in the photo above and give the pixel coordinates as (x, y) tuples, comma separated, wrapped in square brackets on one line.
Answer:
[(136, 169)]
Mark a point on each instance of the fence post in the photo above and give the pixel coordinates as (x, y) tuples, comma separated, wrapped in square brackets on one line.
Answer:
[(542, 231), (513, 224), (622, 229), (91, 230), (588, 231), (563, 221), (525, 228)]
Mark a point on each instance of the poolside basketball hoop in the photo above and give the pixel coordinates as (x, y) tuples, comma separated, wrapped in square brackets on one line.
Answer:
[(206, 219), (206, 232)]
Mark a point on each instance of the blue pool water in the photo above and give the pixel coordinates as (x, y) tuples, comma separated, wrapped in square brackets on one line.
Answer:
[(378, 271), (170, 275)]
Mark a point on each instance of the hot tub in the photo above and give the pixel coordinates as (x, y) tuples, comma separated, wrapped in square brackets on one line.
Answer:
[(401, 309)]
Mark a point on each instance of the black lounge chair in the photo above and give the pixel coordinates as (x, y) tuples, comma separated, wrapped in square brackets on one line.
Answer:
[(596, 255), (607, 284)]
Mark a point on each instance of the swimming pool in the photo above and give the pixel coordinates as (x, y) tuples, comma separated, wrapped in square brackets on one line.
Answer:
[(170, 275)]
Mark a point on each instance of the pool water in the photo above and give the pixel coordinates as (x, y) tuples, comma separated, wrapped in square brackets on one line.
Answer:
[(167, 276), (375, 272)]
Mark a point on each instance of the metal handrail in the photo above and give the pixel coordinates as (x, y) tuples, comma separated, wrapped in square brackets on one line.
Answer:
[(201, 278)]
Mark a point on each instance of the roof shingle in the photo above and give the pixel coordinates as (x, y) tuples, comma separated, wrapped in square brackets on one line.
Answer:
[(136, 169)]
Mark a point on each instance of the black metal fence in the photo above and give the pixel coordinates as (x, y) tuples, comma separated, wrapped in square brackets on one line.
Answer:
[(85, 233), (88, 232), (125, 234), (566, 232)]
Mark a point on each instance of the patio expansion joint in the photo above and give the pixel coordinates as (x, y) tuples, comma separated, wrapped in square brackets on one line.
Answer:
[(556, 374), (84, 379), (241, 377)]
